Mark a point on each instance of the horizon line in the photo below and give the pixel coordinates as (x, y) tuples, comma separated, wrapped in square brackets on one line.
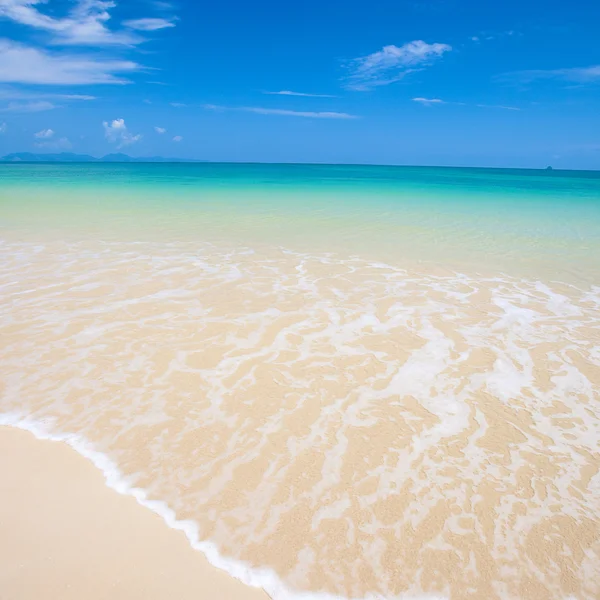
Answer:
[(140, 160)]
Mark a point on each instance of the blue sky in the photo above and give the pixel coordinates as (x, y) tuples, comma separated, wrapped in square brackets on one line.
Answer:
[(440, 82)]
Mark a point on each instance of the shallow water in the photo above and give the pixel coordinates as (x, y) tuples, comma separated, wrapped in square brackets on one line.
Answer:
[(348, 381)]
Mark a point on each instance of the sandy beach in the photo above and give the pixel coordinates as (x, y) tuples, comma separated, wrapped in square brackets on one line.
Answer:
[(321, 420), (64, 534)]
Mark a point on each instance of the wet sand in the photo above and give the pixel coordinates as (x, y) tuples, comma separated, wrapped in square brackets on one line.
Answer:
[(321, 423), (65, 535)]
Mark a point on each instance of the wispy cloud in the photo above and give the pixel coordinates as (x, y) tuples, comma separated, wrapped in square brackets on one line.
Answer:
[(62, 143), (574, 75), (85, 24), (29, 107), (162, 5), (160, 130), (282, 112), (116, 132), (493, 35), (177, 138), (44, 134), (33, 101), (150, 24), (10, 93), (429, 101), (438, 102), (299, 113), (304, 95), (26, 64), (2, 127), (391, 64), (500, 106), (178, 104)]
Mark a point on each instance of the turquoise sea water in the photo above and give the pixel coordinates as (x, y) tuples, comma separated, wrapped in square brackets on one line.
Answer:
[(535, 223)]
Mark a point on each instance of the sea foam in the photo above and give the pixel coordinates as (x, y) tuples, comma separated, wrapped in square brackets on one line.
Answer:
[(262, 578), (359, 430)]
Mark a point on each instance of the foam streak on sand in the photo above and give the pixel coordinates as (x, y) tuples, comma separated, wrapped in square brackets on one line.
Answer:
[(265, 579), (86, 541), (260, 578), (319, 426)]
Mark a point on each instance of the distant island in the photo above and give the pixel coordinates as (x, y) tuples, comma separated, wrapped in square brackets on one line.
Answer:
[(78, 158)]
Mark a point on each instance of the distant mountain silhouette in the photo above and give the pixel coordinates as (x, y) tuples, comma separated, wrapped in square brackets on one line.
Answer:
[(70, 157)]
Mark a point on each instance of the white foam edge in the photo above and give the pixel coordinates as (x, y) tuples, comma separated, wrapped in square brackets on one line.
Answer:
[(263, 578)]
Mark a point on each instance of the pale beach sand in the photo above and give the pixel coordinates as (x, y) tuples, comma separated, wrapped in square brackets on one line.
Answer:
[(64, 534)]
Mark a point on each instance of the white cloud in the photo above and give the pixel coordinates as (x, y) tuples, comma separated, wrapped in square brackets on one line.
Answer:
[(116, 132), (116, 125), (500, 106), (288, 93), (149, 24), (178, 104), (85, 24), (44, 134), (437, 102), (28, 107), (282, 112), (574, 75), (299, 113), (25, 64), (60, 144), (9, 93), (428, 101), (392, 63), (34, 101), (160, 130), (177, 138), (2, 127)]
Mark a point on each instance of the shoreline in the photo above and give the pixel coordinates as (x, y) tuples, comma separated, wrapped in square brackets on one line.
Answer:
[(277, 402), (66, 534)]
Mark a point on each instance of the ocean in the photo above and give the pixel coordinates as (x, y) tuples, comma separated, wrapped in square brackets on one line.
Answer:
[(340, 381)]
